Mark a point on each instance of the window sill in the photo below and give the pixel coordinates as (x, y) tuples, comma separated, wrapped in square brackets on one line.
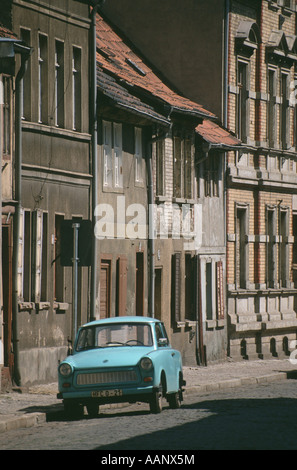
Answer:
[(61, 307)]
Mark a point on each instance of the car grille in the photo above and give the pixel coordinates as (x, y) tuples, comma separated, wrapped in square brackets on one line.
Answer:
[(106, 377)]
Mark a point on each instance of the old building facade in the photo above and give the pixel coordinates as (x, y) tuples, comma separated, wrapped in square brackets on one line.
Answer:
[(162, 141), (248, 48), (189, 279), (51, 183)]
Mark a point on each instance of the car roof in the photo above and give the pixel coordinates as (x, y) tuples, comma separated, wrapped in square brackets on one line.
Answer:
[(126, 319)]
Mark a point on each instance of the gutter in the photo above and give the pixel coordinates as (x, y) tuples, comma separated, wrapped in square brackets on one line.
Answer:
[(25, 54)]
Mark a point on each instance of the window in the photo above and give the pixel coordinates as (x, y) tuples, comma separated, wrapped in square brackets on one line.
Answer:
[(34, 256), (26, 82), (42, 79), (243, 102), (182, 166), (284, 111), (241, 247), (284, 248), (6, 116), (76, 88), (160, 152), (58, 268), (59, 84), (271, 248), (112, 155), (138, 155), (272, 108), (211, 184)]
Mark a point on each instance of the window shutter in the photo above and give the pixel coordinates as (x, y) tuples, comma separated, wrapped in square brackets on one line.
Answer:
[(37, 226), (107, 154), (176, 281), (122, 286), (177, 167), (188, 169), (118, 160), (138, 154), (20, 273), (220, 291)]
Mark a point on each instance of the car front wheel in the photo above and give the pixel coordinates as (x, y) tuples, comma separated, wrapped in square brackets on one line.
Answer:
[(73, 410), (93, 410), (156, 401)]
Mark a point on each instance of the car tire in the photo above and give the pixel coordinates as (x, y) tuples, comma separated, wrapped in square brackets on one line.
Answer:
[(93, 410), (73, 410), (156, 405), (174, 400)]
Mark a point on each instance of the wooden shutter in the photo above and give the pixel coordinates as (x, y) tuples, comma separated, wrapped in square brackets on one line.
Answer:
[(118, 158), (107, 154), (176, 287), (220, 290), (20, 273), (37, 228), (122, 286)]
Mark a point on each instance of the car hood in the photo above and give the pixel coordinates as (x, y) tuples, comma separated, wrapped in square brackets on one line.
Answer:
[(108, 357)]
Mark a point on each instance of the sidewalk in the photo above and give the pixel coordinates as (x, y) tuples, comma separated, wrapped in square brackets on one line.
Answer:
[(33, 405)]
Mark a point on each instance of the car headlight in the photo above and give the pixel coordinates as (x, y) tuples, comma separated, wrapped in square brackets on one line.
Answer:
[(65, 369), (146, 363)]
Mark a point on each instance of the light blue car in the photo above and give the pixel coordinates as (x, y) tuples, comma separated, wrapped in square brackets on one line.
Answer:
[(121, 359)]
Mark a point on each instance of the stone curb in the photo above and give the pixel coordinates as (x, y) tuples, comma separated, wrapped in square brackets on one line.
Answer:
[(23, 421), (231, 383)]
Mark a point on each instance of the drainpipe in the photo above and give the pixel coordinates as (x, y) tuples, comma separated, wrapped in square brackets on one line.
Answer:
[(25, 53), (151, 240), (94, 138), (225, 121)]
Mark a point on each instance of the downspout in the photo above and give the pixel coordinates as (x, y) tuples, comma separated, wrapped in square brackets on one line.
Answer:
[(94, 140), (225, 121), (25, 53), (151, 235)]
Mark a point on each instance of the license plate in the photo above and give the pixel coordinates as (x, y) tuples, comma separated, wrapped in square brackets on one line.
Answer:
[(107, 393)]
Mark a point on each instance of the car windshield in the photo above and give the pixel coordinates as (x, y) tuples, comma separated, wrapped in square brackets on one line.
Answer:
[(120, 334)]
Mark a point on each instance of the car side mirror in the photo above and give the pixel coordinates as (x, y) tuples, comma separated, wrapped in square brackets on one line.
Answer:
[(162, 342)]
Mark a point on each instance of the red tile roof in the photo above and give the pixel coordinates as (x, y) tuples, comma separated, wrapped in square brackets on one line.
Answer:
[(215, 135), (132, 84), (6, 33), (115, 57)]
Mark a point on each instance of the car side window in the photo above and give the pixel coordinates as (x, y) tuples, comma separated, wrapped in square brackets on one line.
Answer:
[(159, 333)]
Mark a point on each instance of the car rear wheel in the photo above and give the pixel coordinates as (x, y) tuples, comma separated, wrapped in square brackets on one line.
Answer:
[(156, 405), (93, 410)]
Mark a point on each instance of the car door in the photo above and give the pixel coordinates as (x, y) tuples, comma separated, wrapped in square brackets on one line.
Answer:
[(168, 357)]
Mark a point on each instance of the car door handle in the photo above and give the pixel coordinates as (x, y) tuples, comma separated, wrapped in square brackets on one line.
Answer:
[(172, 354)]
